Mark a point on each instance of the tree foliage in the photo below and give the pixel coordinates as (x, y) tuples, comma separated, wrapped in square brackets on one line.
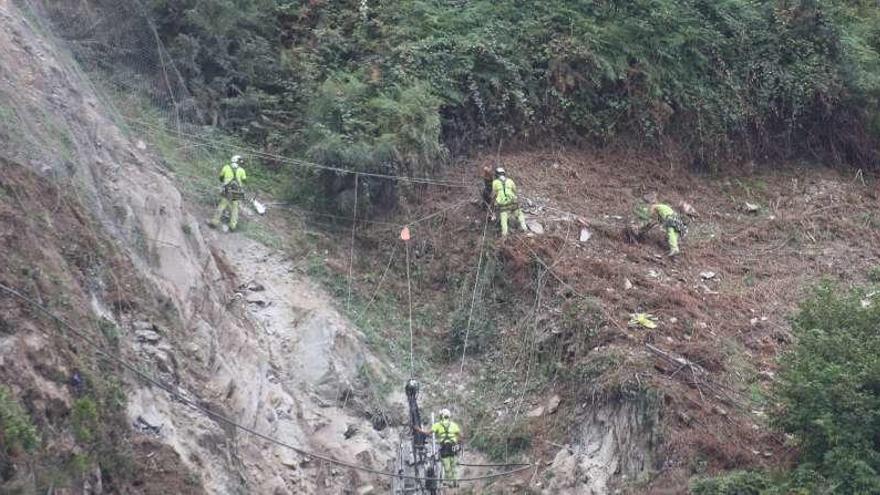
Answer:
[(830, 389), (778, 77), (380, 85), (17, 431), (829, 397)]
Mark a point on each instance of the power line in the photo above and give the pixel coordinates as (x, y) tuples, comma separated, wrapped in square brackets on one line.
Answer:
[(388, 225), (412, 362), (506, 464), (219, 417), (289, 160)]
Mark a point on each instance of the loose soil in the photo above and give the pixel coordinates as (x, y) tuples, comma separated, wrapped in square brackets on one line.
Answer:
[(813, 223)]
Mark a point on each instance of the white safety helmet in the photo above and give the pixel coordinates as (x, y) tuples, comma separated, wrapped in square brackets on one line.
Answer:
[(445, 414), (499, 171), (236, 160)]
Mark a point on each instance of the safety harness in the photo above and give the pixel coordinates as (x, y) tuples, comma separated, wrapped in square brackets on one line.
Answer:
[(675, 222), (448, 445), (232, 190), (512, 203)]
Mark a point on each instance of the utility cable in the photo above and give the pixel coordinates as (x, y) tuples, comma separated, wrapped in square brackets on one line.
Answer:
[(385, 225), (379, 284), (354, 218), (474, 294), (219, 417), (507, 464), (289, 160), (412, 362)]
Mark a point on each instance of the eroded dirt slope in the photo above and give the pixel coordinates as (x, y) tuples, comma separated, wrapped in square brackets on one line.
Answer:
[(643, 410), (759, 239)]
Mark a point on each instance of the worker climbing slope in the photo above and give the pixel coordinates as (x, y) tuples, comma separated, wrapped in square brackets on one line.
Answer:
[(505, 200), (232, 178), (448, 435), (663, 214)]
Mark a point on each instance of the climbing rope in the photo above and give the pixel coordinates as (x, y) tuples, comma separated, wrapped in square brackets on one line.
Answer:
[(172, 391), (412, 365), (474, 295)]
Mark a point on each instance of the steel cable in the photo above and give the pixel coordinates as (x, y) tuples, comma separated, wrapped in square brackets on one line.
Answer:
[(221, 418)]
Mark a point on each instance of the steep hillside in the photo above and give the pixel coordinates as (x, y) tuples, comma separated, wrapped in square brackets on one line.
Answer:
[(142, 353), (95, 234), (551, 360)]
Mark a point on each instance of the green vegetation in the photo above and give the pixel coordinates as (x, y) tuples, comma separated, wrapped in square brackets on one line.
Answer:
[(736, 483), (394, 87), (830, 390), (504, 440), (481, 317), (99, 424), (380, 316), (829, 397), (712, 73), (16, 429), (110, 331), (391, 86), (84, 417)]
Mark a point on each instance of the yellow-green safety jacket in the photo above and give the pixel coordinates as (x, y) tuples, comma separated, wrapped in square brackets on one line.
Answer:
[(664, 212), (669, 219), (228, 174), (504, 190), (446, 431)]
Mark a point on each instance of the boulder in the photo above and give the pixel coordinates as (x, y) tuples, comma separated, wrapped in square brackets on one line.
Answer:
[(535, 227)]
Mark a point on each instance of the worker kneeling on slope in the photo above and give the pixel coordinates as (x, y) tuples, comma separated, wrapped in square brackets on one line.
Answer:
[(504, 198), (232, 178), (671, 222), (448, 435)]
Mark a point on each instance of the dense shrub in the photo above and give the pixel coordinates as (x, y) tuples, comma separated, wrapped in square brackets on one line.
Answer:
[(16, 429), (830, 389), (772, 76), (829, 397), (379, 85)]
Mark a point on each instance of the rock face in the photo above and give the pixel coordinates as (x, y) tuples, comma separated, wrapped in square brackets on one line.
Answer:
[(214, 348), (614, 441)]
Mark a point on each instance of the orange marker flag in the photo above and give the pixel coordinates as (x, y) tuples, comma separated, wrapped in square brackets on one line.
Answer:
[(404, 234)]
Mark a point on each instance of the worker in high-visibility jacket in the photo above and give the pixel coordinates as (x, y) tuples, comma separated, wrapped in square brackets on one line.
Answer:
[(232, 178), (447, 434), (505, 201), (664, 215)]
